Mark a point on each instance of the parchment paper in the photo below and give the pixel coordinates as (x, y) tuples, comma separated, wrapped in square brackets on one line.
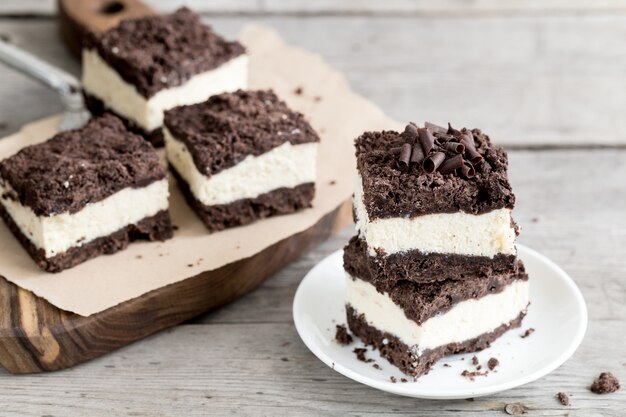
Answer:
[(338, 114)]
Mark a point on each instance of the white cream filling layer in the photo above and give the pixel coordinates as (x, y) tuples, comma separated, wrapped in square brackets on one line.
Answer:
[(466, 320), (102, 81), (57, 233), (284, 166), (459, 233)]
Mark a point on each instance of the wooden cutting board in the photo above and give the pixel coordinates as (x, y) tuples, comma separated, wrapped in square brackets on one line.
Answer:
[(36, 336)]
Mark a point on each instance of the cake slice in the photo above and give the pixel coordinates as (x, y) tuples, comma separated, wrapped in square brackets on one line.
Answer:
[(84, 193), (424, 226), (241, 156), (145, 66), (414, 325)]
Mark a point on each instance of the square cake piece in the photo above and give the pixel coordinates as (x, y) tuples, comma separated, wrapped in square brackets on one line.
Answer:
[(451, 223), (433, 270), (145, 66), (241, 156), (84, 193)]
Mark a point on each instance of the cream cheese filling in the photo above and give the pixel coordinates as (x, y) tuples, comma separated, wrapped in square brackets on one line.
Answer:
[(57, 233), (459, 233), (466, 320), (102, 81), (286, 166)]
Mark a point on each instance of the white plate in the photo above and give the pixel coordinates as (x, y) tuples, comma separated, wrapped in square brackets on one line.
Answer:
[(557, 313)]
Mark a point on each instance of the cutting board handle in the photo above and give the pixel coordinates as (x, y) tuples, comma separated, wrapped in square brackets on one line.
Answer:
[(77, 17)]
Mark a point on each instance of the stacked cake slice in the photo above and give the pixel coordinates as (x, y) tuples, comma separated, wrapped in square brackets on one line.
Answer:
[(433, 270)]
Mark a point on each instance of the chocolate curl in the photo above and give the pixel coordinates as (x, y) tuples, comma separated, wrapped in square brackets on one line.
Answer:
[(467, 170), (405, 157), (396, 151), (410, 131), (427, 140), (453, 131), (434, 128), (470, 149), (455, 147), (432, 162), (417, 156), (451, 164)]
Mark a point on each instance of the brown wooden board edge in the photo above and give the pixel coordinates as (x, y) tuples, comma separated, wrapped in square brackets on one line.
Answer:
[(36, 336)]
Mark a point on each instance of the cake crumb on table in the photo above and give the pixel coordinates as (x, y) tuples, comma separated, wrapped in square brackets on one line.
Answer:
[(563, 398), (515, 409), (606, 383)]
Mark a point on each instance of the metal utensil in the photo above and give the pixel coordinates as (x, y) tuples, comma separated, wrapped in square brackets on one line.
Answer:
[(64, 83)]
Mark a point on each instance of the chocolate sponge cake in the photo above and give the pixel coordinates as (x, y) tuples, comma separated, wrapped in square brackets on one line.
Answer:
[(433, 269), (241, 156), (84, 193), (145, 66)]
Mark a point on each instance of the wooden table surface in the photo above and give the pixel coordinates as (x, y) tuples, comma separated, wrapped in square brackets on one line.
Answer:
[(545, 78)]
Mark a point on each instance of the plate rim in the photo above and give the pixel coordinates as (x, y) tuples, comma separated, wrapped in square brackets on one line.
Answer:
[(409, 389)]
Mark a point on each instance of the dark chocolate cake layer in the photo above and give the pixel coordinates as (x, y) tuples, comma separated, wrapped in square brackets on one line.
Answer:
[(248, 210), (158, 52), (400, 354), (81, 166), (157, 227), (418, 267), (390, 191), (220, 132), (421, 301), (97, 108)]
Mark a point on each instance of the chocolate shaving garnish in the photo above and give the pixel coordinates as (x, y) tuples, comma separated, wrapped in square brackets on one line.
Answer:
[(434, 128), (396, 150), (405, 157), (470, 149), (410, 131), (455, 147), (467, 171), (427, 140), (451, 164), (453, 131), (417, 156), (433, 161)]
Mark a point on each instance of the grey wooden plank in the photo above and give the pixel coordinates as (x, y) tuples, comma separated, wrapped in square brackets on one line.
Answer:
[(302, 7), (264, 369), (526, 80)]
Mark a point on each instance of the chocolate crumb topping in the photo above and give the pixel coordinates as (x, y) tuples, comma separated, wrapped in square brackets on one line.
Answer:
[(81, 166), (222, 131), (342, 336), (438, 179), (563, 398), (157, 52), (606, 383)]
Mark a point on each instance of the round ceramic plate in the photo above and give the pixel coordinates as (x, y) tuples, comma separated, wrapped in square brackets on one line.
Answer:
[(557, 313)]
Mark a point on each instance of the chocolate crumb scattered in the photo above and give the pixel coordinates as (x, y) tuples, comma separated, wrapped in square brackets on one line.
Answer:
[(446, 365), (360, 355), (298, 91), (342, 336), (376, 366), (333, 182), (534, 220), (563, 398), (284, 359), (139, 257), (479, 367), (403, 380), (471, 375), (393, 379), (515, 409), (475, 360), (606, 383), (190, 265), (318, 98), (527, 333), (175, 227), (493, 362)]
